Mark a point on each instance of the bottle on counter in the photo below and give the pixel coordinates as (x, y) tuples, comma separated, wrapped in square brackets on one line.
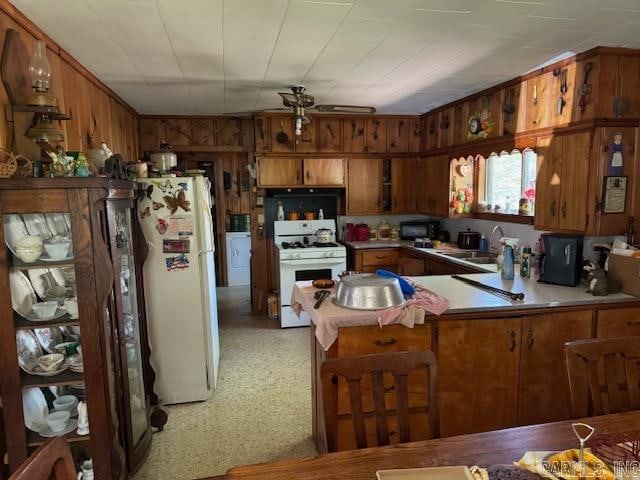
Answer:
[(525, 262), (384, 230), (280, 214), (320, 215), (395, 233), (508, 253), (483, 244)]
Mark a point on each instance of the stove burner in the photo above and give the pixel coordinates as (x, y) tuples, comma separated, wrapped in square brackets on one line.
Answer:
[(288, 245), (319, 245)]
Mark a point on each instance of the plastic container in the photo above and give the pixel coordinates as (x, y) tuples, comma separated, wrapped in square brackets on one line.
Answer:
[(507, 272), (483, 246), (384, 231), (525, 263)]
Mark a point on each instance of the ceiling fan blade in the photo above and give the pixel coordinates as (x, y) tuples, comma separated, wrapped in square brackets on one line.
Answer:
[(292, 98), (306, 119), (345, 108)]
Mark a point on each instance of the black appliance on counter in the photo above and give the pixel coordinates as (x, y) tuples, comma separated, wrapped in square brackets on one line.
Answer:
[(410, 230), (469, 240), (562, 260)]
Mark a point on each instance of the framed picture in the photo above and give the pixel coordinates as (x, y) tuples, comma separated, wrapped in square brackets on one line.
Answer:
[(615, 194)]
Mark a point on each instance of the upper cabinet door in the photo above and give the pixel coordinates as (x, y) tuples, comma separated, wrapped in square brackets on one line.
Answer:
[(548, 181), (279, 172), (398, 133), (404, 183), (307, 140), (441, 185), (324, 171), (433, 132), (262, 134), (353, 134), (586, 86), (459, 123), (538, 101), (414, 135), (511, 109), (329, 134), (483, 118), (364, 186), (574, 188), (282, 136), (376, 135), (629, 84), (561, 95), (446, 126)]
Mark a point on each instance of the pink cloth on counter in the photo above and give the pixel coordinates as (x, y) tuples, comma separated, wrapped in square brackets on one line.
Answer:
[(330, 317)]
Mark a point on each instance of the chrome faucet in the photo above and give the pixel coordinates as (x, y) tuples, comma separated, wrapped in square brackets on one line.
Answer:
[(495, 229)]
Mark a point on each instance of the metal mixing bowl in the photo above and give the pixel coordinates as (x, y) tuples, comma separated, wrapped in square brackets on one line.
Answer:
[(368, 291)]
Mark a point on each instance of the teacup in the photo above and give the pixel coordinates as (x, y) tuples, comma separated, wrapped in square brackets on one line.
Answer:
[(57, 293), (65, 403), (71, 306), (50, 362), (58, 420), (45, 310), (57, 248)]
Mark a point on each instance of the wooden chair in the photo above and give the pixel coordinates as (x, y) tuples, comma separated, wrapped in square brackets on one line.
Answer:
[(603, 375), (51, 460), (354, 370)]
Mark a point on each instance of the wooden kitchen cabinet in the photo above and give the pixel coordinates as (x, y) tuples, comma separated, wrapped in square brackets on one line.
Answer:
[(562, 182), (543, 386), (411, 263), (511, 109), (445, 124), (433, 185), (483, 105), (618, 322), (404, 185), (436, 266), (398, 133), (619, 77), (370, 260), (282, 129), (459, 123), (433, 132), (353, 134), (330, 135), (376, 135), (323, 171), (307, 140), (568, 73), (538, 100), (478, 368), (262, 133), (279, 172), (364, 186), (415, 129)]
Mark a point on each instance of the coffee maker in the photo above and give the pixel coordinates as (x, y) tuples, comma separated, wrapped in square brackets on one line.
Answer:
[(562, 261)]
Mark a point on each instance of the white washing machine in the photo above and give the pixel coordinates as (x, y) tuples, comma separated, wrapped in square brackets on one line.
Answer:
[(238, 258)]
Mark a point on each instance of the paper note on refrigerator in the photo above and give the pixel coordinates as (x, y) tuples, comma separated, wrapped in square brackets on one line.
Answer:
[(180, 226)]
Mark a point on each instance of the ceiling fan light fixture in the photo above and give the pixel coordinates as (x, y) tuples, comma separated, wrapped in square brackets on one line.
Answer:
[(345, 109)]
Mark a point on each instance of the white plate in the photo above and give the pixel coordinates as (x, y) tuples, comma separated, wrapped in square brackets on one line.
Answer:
[(57, 224), (22, 295), (32, 317), (37, 225), (49, 338), (71, 426), (58, 277), (39, 280), (35, 409), (14, 230), (28, 347)]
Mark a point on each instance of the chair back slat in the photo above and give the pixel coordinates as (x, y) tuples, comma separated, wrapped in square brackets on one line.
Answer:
[(379, 409), (603, 375), (355, 398), (373, 367), (51, 460), (402, 405)]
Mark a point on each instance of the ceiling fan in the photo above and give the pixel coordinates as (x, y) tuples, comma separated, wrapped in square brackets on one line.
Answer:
[(301, 102)]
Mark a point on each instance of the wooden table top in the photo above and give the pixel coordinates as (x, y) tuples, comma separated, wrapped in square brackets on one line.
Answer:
[(488, 448)]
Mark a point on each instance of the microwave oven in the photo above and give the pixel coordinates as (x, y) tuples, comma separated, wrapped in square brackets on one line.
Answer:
[(419, 229)]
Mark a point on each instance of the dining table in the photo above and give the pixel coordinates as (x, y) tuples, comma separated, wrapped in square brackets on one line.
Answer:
[(482, 449)]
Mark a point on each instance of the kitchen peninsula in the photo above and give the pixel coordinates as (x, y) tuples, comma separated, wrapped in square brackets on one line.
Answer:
[(500, 363)]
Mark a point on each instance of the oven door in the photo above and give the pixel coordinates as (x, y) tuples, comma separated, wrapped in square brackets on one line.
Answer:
[(292, 271)]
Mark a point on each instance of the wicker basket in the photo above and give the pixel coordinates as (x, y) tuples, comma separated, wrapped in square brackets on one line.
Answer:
[(8, 163), (25, 167)]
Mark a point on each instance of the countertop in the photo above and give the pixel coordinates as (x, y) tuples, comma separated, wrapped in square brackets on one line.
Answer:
[(467, 298), (434, 252)]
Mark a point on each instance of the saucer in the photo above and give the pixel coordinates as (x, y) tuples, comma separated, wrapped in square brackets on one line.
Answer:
[(46, 258), (71, 426)]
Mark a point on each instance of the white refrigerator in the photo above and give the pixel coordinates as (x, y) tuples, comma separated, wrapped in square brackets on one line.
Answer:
[(180, 287)]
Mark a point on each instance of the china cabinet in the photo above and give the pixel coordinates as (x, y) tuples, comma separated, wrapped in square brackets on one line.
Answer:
[(98, 327)]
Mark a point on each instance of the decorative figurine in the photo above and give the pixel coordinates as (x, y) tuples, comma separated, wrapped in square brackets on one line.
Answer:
[(83, 419), (82, 166)]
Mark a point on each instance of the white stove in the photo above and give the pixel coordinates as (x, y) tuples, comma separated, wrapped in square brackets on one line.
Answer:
[(302, 259)]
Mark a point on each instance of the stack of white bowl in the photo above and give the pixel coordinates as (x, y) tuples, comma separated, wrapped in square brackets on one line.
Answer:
[(29, 248)]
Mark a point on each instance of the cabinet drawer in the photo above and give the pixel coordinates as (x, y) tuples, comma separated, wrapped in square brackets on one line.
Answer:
[(618, 322), (379, 257)]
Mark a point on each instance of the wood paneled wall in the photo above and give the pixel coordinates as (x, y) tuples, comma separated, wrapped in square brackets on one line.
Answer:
[(94, 108)]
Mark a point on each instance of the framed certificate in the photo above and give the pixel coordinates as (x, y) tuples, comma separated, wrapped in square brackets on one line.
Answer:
[(615, 194)]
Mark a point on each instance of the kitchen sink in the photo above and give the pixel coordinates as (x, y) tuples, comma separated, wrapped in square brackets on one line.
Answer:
[(483, 258)]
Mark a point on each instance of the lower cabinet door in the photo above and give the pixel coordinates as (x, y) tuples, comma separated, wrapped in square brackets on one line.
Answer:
[(478, 362), (618, 322), (544, 386)]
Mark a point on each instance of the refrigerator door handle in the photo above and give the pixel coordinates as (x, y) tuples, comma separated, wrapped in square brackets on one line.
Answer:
[(204, 252)]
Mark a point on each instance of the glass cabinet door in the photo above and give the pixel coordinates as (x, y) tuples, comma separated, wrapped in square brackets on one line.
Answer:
[(137, 417)]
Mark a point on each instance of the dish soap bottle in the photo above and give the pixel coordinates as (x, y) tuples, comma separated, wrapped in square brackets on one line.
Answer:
[(483, 244), (507, 272), (525, 263)]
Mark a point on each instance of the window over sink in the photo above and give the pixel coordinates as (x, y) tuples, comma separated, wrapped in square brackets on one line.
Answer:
[(508, 182)]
